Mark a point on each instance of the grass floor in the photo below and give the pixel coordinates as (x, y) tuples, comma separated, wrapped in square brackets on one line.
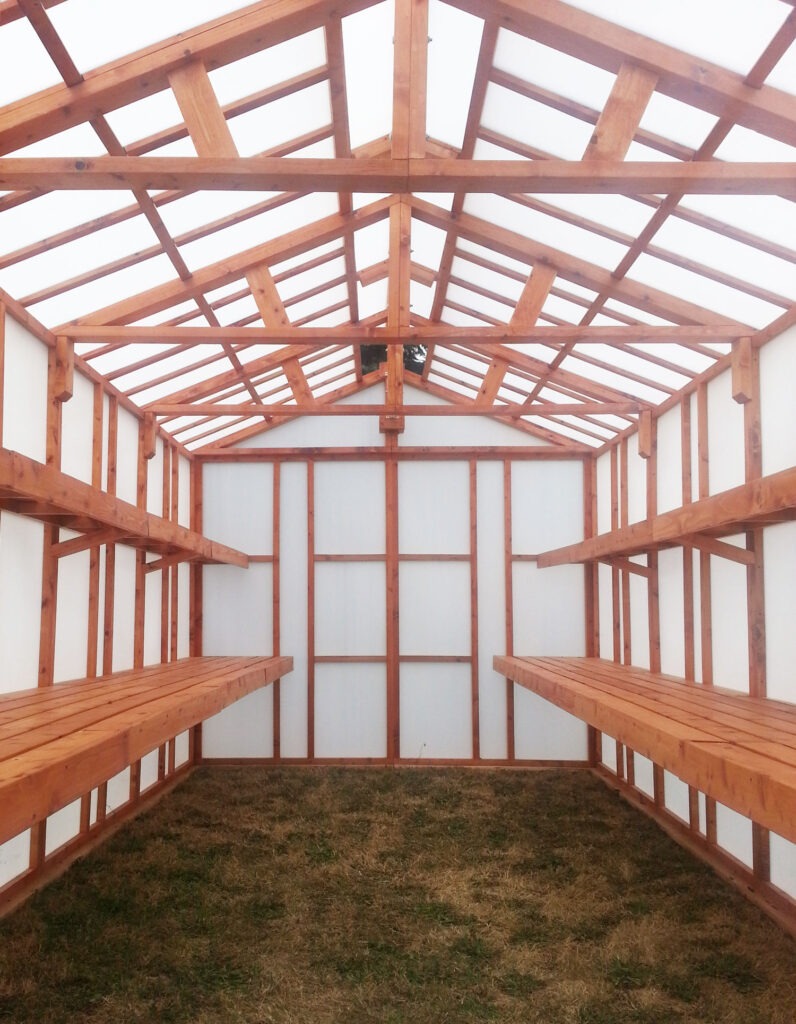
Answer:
[(336, 895)]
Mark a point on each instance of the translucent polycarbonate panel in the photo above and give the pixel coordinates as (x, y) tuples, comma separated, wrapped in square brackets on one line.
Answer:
[(744, 144), (96, 295), (565, 430), (725, 254), (96, 32), (676, 121), (490, 307), (692, 362), (622, 312), (317, 303), (454, 41), (534, 124), (251, 233), (428, 243), (553, 70), (368, 49), (304, 257), (621, 359), (545, 230), (613, 380), (334, 318), (269, 67), (710, 295), (421, 297), (53, 213), (614, 213), (350, 710), (766, 217), (730, 33), (95, 250), (458, 318), (291, 117), (484, 277), (372, 299), (465, 246), (32, 67), (235, 312), (81, 140), (562, 309), (199, 209), (184, 312), (315, 277), (784, 74), (145, 118)]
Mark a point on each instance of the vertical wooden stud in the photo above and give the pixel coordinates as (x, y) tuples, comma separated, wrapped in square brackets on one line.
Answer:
[(392, 568), (744, 384), (110, 549), (624, 516), (474, 675), (51, 536), (276, 591), (173, 570), (645, 434), (64, 369), (196, 584), (509, 598)]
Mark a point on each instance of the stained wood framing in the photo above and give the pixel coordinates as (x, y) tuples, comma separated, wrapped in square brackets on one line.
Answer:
[(737, 749), (60, 743)]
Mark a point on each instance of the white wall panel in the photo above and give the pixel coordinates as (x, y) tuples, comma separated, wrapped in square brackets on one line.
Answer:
[(118, 790), (14, 857), (730, 633), (639, 622), (461, 431), (25, 392), (238, 610), (434, 601), (244, 729), (184, 492), (152, 617), (491, 609), (182, 749), (71, 630), (238, 505), (433, 508), (779, 547), (436, 711), (643, 774), (725, 436), (124, 609), (637, 482), (154, 480), (293, 608), (20, 600), (349, 508), (670, 460), (350, 603), (549, 610), (183, 611), (676, 796), (351, 710), (670, 592), (604, 583), (544, 732), (778, 409), (734, 834), (783, 864), (694, 448), (77, 432), (603, 477), (608, 758), (149, 770), (326, 431), (546, 505), (62, 826), (127, 457)]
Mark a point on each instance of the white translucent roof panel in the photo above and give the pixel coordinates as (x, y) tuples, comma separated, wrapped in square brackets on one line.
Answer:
[(768, 217), (745, 144), (253, 232), (454, 40), (32, 68), (614, 380), (367, 42), (548, 231), (50, 214), (625, 312), (317, 303), (558, 72), (305, 257), (313, 278), (677, 121), (784, 74), (428, 243), (81, 140), (289, 118), (269, 67), (491, 308), (96, 32), (534, 124), (731, 33), (485, 278), (698, 289), (371, 244), (464, 245), (194, 210), (458, 318), (234, 312), (372, 299), (145, 118)]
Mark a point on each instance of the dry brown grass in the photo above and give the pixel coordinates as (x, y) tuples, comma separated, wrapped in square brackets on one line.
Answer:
[(274, 896)]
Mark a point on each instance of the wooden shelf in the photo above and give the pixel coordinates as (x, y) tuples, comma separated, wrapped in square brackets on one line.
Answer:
[(58, 742), (42, 492), (740, 750), (771, 499)]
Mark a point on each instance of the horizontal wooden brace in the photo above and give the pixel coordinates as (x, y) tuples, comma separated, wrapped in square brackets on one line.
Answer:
[(444, 453), (464, 408), (369, 175), (94, 539), (431, 334)]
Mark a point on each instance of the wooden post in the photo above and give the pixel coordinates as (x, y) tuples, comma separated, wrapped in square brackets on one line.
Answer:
[(276, 590), (474, 674), (51, 536), (310, 610), (64, 369), (509, 598), (744, 375)]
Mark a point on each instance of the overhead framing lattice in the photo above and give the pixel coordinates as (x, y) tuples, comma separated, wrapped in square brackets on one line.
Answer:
[(563, 296)]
